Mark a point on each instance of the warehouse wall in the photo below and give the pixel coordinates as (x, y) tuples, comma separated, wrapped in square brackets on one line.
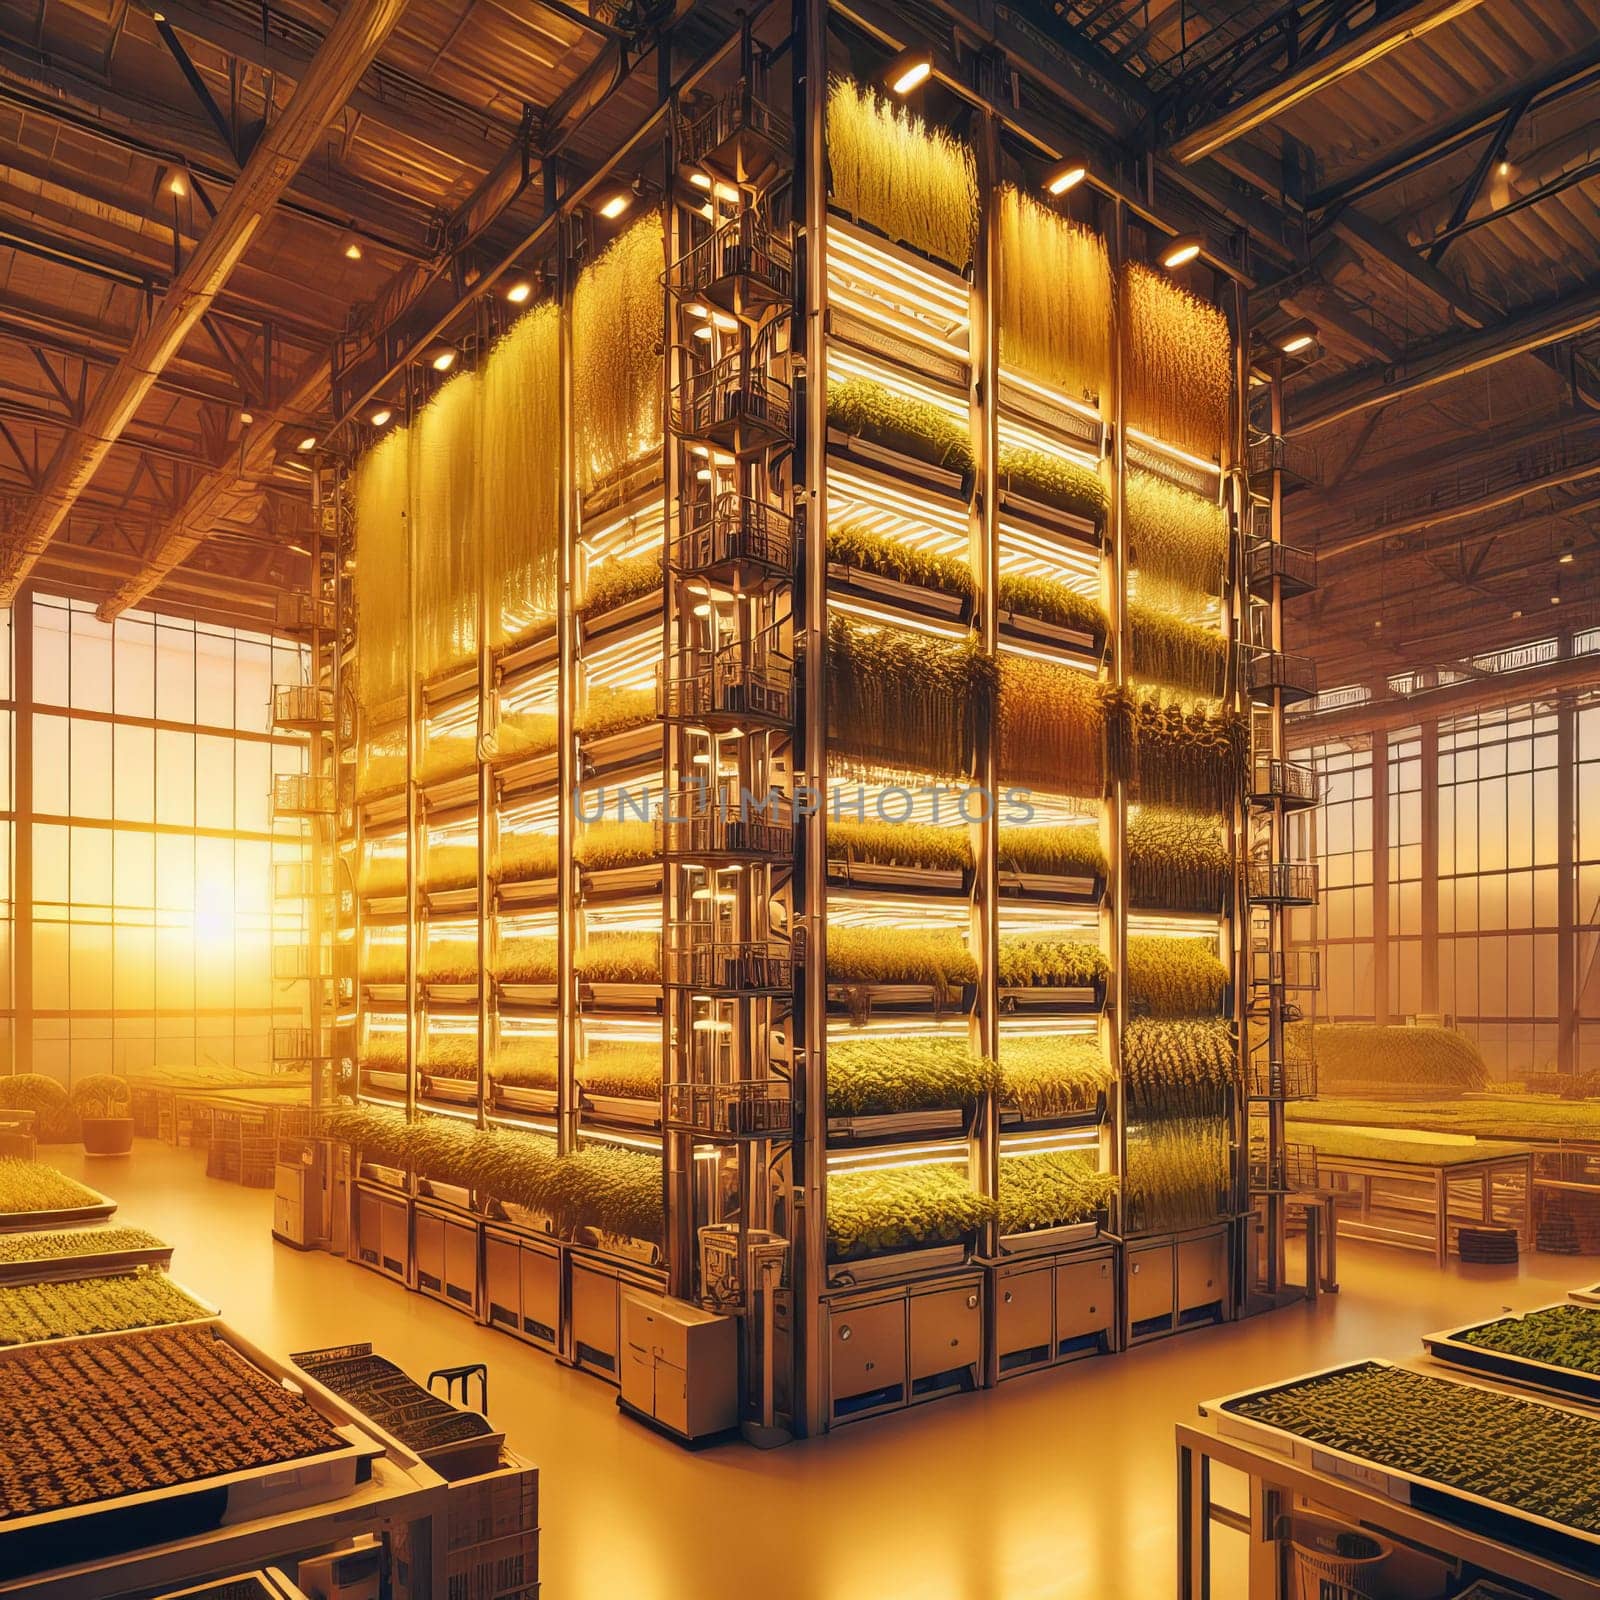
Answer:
[(141, 918)]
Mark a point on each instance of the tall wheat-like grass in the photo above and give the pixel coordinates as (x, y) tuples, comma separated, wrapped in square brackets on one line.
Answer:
[(519, 504), (904, 701), (1055, 298), (616, 352), (382, 504), (1167, 651), (890, 169), (1052, 728), (1177, 542), (1178, 370), (444, 482)]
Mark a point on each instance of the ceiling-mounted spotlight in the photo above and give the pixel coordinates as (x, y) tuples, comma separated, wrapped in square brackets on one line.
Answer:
[(1566, 558), (701, 180), (247, 417), (1299, 335), (615, 204), (177, 184), (441, 357), (519, 291), (307, 443), (1065, 175), (349, 245), (380, 416), (1555, 599), (909, 69), (1181, 251), (1516, 616)]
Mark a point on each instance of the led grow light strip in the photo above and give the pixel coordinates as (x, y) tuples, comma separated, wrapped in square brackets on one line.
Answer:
[(883, 617), (1163, 448), (1080, 922), (1023, 437), (867, 909), (1009, 647), (1073, 563), (1054, 1141), (905, 281), (923, 522), (641, 530), (1055, 397), (884, 1157)]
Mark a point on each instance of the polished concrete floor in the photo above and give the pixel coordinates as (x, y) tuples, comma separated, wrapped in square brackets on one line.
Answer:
[(1060, 1484)]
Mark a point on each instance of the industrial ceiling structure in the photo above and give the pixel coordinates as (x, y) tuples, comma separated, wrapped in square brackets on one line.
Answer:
[(204, 269)]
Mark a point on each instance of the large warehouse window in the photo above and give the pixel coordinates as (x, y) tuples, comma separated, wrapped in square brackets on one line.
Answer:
[(145, 842), (1465, 901)]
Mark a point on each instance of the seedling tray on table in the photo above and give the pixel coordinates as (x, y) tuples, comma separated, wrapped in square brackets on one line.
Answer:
[(1455, 1348), (116, 1253), (77, 1475), (1376, 1434), (95, 1208)]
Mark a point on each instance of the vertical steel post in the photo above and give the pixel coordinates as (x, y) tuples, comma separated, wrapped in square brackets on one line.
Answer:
[(22, 695), (983, 345), (809, 1248), (1429, 779), (566, 708)]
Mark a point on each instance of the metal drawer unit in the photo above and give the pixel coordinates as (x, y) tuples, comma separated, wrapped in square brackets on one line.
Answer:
[(1177, 1281), (901, 1345), (1052, 1309)]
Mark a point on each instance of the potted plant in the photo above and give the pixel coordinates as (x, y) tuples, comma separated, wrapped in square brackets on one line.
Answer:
[(105, 1113)]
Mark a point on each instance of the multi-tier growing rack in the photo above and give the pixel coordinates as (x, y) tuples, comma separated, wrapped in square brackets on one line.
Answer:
[(794, 761)]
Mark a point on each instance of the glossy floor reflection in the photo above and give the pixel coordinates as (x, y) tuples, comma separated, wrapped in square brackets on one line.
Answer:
[(1061, 1484)]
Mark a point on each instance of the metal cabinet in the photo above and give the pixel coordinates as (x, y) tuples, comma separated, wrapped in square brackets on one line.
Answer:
[(522, 1288), (867, 1357), (461, 1264), (540, 1272), (502, 1281), (946, 1341), (596, 1321), (1086, 1306), (1023, 1317), (383, 1228), (447, 1257), (1150, 1287), (1203, 1276)]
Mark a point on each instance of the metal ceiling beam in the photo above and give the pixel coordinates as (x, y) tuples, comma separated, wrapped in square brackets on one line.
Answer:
[(1451, 355), (38, 87), (1357, 51), (1473, 187), (1502, 689), (1554, 478), (231, 495), (349, 48), (421, 114), (1546, 191), (1545, 86)]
